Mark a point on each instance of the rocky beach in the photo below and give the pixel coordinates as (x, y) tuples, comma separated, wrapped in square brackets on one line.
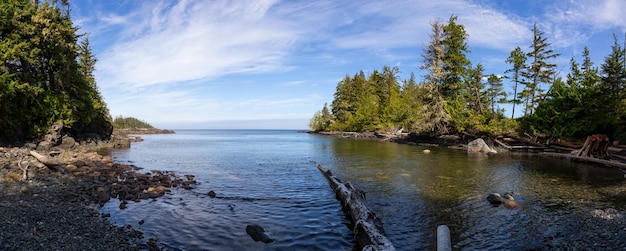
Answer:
[(51, 192)]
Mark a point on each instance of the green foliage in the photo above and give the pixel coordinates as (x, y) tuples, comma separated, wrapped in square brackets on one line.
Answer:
[(539, 71), (454, 96), (41, 78), (517, 60), (129, 122)]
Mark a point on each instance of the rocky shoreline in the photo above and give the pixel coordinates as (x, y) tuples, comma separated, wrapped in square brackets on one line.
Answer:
[(52, 190)]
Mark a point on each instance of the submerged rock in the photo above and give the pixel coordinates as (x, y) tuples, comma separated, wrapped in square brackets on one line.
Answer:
[(494, 198), (258, 233)]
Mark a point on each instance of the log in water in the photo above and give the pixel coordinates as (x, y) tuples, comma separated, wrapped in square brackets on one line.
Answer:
[(368, 228)]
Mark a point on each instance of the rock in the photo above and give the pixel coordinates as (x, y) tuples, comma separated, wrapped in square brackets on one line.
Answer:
[(494, 198), (53, 136), (258, 233), (426, 151), (479, 146), (509, 202), (68, 142), (71, 167)]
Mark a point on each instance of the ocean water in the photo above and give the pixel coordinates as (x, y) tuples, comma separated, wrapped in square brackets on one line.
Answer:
[(269, 178)]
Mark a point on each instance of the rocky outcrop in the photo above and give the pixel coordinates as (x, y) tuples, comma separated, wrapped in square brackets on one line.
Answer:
[(479, 146)]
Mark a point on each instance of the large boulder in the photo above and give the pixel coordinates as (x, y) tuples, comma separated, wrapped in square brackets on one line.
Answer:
[(479, 146)]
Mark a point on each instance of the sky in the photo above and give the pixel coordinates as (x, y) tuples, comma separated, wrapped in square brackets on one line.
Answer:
[(271, 64)]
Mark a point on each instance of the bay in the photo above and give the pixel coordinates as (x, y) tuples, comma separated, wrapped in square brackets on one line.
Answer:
[(269, 178)]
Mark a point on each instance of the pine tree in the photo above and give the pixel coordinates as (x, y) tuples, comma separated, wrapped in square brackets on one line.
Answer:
[(455, 63), (434, 118), (612, 89), (495, 93), (41, 80), (540, 71), (476, 99), (517, 60)]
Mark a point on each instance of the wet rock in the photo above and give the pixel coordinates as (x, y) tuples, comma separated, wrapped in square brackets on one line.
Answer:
[(494, 198), (479, 146), (258, 233)]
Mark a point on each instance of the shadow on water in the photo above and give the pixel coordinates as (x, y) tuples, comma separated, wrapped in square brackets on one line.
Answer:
[(415, 192)]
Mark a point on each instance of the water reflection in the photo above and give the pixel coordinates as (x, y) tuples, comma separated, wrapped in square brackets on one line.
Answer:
[(414, 192)]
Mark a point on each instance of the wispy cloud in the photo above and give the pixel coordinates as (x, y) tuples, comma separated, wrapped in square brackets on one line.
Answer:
[(196, 40)]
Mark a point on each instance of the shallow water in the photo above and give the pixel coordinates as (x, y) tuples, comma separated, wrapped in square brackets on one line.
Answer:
[(269, 178)]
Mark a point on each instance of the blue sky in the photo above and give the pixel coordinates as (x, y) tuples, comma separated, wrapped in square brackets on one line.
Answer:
[(270, 64)]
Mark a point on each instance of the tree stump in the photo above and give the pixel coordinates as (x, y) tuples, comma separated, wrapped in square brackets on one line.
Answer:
[(596, 146)]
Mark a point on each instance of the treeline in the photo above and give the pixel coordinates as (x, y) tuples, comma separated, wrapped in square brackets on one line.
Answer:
[(129, 122), (457, 96), (46, 73)]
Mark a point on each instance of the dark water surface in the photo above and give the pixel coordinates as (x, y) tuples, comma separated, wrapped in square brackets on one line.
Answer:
[(269, 178)]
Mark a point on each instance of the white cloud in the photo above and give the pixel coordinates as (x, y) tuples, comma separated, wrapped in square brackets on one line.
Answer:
[(196, 40)]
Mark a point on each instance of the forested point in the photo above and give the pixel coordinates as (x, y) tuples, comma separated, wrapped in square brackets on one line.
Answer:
[(456, 96), (47, 74), (121, 122)]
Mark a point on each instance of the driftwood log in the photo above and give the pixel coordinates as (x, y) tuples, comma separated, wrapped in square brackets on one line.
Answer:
[(588, 159), (596, 146), (368, 228), (51, 163)]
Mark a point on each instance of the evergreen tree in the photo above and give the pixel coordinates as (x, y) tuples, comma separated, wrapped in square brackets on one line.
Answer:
[(611, 90), (517, 60), (495, 93), (455, 63), (540, 71), (434, 117), (41, 81), (476, 98)]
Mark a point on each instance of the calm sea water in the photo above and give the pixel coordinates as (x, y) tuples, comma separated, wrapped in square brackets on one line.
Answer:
[(270, 178)]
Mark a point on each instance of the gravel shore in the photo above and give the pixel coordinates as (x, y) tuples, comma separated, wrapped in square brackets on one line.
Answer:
[(56, 207), (57, 213)]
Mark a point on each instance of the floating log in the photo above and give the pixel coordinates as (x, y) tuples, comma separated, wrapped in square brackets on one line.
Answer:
[(587, 159), (368, 228)]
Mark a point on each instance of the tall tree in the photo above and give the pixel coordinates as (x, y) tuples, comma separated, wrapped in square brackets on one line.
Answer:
[(42, 80), (495, 93), (612, 89), (540, 71), (517, 60), (476, 98), (455, 62), (435, 119)]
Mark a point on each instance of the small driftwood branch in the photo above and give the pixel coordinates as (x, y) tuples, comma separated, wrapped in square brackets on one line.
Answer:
[(368, 228), (23, 168)]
